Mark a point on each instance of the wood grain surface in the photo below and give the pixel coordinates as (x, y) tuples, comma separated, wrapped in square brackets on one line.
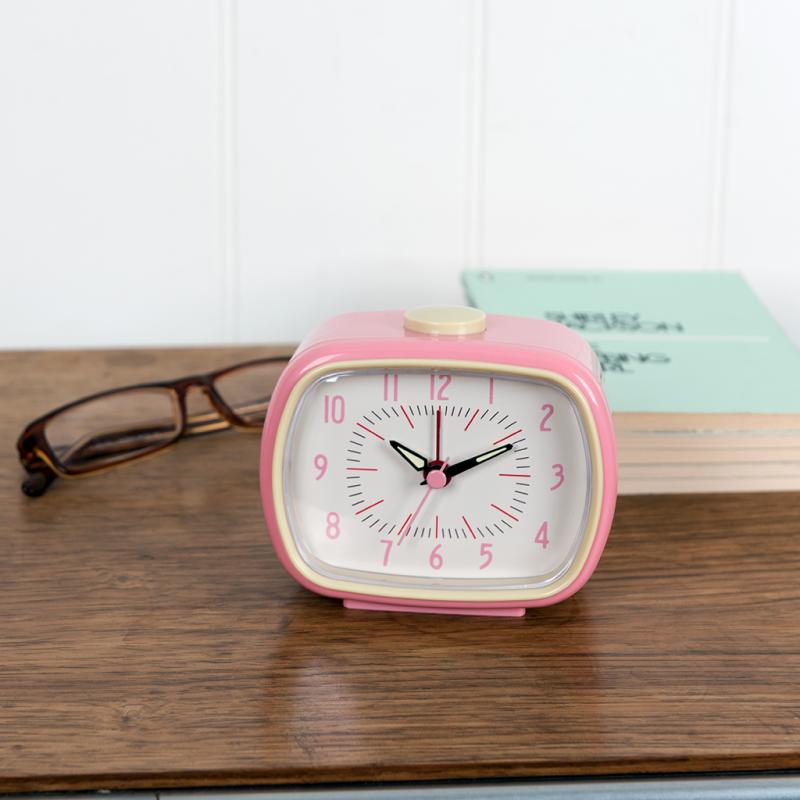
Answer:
[(149, 637)]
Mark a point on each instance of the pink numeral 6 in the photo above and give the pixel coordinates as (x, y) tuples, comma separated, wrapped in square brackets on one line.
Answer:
[(436, 560)]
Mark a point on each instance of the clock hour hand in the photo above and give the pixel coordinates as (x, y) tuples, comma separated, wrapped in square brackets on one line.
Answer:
[(469, 463), (415, 459)]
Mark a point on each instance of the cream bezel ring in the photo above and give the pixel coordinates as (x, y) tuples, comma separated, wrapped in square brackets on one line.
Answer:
[(345, 587)]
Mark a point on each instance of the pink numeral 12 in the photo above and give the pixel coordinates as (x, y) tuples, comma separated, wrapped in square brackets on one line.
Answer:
[(444, 381)]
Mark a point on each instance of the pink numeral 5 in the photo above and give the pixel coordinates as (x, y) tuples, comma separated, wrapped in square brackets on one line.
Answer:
[(486, 550), (558, 472)]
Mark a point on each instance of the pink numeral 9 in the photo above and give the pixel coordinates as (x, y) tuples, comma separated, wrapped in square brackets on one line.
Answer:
[(321, 463), (334, 409), (541, 536), (558, 472), (548, 412), (436, 560), (486, 550)]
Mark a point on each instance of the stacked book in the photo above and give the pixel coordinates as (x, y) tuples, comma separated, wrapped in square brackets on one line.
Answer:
[(703, 384)]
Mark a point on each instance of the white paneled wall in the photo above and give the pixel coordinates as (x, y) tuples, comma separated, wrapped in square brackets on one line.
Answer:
[(191, 171)]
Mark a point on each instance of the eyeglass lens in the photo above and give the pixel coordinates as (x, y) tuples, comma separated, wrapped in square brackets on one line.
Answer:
[(113, 428)]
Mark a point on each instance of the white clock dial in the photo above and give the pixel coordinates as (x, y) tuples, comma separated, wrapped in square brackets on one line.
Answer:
[(417, 476)]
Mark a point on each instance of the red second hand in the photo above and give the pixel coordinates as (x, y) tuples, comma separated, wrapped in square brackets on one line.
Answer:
[(422, 502), (438, 431)]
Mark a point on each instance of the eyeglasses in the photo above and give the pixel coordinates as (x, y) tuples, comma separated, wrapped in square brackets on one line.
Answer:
[(114, 427)]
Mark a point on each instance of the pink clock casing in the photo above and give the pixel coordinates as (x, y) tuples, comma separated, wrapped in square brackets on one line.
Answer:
[(376, 337)]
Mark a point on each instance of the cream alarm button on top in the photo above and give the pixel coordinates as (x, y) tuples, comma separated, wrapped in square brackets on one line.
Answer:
[(445, 320)]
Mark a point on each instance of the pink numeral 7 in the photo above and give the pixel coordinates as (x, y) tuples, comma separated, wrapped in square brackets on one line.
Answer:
[(388, 543)]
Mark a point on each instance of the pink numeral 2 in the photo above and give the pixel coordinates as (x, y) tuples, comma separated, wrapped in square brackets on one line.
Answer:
[(548, 412)]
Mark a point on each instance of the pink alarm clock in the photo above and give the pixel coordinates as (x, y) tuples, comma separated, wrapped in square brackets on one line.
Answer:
[(440, 460)]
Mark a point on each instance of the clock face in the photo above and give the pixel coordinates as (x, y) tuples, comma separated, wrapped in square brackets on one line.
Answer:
[(437, 477)]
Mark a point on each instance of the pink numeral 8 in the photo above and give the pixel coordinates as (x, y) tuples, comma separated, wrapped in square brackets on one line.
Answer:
[(332, 529)]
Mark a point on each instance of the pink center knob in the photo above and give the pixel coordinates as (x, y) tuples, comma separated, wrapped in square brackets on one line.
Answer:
[(436, 479)]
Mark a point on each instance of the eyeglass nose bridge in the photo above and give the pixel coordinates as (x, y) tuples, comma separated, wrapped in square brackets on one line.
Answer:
[(213, 416)]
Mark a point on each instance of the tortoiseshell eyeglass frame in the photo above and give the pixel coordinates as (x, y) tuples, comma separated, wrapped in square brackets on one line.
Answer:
[(44, 466)]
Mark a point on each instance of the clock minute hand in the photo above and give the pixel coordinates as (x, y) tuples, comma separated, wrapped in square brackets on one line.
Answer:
[(469, 463), (410, 456)]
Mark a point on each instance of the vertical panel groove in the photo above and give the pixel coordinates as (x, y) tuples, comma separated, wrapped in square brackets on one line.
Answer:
[(475, 217), (230, 290), (720, 133)]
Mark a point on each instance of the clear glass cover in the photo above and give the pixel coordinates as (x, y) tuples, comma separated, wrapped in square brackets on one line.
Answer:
[(501, 500)]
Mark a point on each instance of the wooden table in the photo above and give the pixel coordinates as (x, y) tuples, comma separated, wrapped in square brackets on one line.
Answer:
[(149, 638)]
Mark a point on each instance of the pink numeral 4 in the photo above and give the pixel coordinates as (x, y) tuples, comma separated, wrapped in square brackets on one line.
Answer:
[(541, 536)]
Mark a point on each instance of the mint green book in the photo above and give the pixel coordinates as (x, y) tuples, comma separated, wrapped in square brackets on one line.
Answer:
[(669, 342)]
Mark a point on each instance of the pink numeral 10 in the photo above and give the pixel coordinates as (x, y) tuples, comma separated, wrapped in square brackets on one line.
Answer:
[(334, 409), (541, 536), (321, 463)]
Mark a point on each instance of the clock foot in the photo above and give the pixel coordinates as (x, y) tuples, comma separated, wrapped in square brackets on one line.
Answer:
[(361, 605)]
